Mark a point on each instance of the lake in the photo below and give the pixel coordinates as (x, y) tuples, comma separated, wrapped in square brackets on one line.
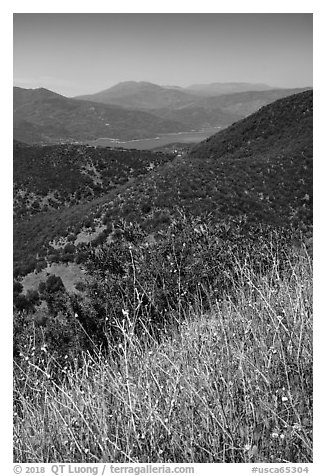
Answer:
[(164, 139)]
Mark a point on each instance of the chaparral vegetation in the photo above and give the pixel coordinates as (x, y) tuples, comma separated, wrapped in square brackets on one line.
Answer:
[(188, 334)]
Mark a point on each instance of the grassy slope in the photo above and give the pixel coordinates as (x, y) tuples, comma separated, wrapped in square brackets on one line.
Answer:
[(234, 385)]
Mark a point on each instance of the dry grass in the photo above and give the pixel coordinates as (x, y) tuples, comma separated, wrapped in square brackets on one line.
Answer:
[(231, 385)]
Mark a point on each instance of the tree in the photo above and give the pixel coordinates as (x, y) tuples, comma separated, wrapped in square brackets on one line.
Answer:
[(18, 287), (53, 292)]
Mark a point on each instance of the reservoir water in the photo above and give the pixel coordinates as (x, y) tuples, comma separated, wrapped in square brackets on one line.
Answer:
[(164, 139)]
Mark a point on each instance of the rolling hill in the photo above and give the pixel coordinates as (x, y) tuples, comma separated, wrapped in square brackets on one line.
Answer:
[(224, 109), (131, 111), (141, 95), (196, 270), (218, 104), (53, 176), (43, 116), (260, 168)]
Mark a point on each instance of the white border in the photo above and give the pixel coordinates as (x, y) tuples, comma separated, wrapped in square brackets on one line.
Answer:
[(6, 184)]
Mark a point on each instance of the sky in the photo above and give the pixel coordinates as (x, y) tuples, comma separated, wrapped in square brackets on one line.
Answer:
[(82, 53)]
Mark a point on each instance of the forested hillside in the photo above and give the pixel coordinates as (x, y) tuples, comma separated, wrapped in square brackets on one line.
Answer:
[(48, 177)]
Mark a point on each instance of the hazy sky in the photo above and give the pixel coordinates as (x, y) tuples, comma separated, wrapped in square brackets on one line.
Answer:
[(84, 53)]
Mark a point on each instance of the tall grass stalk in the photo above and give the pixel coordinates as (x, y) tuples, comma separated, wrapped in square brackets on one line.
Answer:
[(232, 384)]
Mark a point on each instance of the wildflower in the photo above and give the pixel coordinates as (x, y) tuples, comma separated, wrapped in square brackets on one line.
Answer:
[(282, 436), (254, 450), (274, 435), (285, 399), (297, 426)]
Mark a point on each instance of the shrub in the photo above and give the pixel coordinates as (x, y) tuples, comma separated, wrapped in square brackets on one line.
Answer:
[(53, 292), (232, 385), (146, 208), (191, 261), (17, 287), (69, 248), (71, 238), (40, 265)]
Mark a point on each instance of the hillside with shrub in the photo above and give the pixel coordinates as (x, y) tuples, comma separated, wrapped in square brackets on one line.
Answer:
[(222, 110), (217, 105), (49, 177), (259, 168), (190, 337), (203, 341)]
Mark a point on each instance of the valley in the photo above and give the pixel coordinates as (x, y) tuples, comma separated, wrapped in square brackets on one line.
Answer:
[(191, 137), (129, 111), (163, 241), (133, 255), (60, 188)]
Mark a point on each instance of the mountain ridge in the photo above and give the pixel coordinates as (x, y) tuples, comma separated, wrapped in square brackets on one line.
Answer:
[(140, 94), (237, 171), (259, 168), (217, 88), (41, 115), (194, 110)]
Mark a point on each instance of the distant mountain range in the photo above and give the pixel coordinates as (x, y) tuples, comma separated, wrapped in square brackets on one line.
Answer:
[(215, 89), (142, 95), (134, 110), (42, 116), (227, 97)]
